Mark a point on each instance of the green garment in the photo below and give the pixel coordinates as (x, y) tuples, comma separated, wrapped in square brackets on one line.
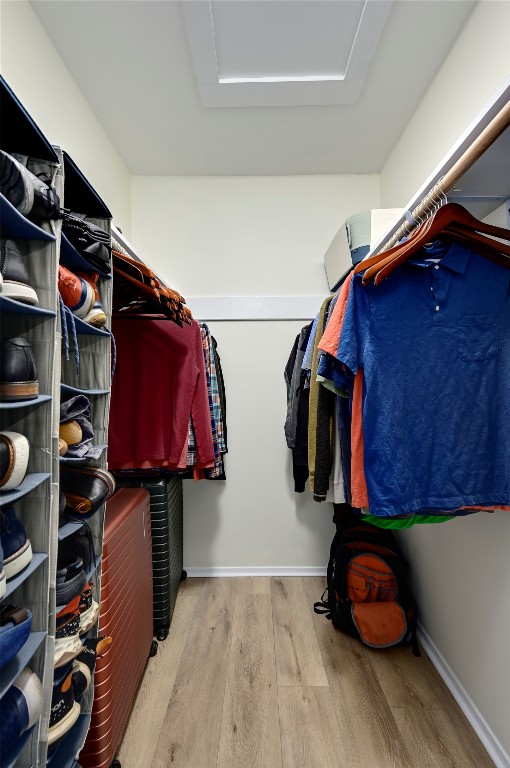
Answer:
[(399, 523), (314, 393)]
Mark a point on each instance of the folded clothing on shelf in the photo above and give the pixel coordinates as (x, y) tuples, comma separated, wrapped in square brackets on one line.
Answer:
[(76, 428)]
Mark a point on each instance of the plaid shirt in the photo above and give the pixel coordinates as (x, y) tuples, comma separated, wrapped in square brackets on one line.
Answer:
[(191, 458), (214, 403)]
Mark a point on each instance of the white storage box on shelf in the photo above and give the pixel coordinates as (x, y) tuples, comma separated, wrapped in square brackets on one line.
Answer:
[(355, 238)]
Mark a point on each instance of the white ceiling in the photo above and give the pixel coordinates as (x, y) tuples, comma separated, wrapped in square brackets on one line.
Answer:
[(135, 63)]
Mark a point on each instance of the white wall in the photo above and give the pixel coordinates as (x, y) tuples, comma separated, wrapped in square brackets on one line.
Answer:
[(461, 569), (39, 78), (249, 237), (473, 71)]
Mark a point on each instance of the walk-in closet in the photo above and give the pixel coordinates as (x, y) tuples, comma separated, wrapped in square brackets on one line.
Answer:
[(254, 383)]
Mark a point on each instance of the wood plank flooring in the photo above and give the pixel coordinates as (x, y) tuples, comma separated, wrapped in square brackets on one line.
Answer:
[(250, 677)]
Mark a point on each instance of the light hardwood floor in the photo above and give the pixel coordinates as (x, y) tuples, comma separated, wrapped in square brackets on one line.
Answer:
[(250, 677)]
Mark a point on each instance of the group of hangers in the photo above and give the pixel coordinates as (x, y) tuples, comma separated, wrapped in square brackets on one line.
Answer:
[(452, 221), (137, 291)]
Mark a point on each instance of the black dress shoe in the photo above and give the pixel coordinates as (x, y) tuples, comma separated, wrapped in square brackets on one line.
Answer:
[(31, 195), (85, 489), (16, 282), (18, 371)]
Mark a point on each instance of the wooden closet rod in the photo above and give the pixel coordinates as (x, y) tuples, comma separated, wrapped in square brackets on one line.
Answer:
[(487, 137)]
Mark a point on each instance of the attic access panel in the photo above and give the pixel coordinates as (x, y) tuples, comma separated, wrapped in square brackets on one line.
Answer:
[(273, 53)]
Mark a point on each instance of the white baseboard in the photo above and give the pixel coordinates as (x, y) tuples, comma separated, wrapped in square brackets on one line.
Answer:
[(256, 571), (477, 721)]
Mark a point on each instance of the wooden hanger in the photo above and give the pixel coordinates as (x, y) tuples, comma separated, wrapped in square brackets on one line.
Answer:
[(452, 220)]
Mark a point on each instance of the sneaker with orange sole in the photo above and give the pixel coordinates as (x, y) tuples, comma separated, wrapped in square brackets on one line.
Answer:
[(77, 294), (96, 315)]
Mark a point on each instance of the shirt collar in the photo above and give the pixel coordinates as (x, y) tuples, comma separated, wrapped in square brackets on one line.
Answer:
[(453, 256)]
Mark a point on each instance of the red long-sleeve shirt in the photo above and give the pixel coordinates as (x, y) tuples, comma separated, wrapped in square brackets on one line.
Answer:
[(159, 382)]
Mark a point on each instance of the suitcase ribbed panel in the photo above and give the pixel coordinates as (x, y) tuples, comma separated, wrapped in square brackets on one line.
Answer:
[(166, 526), (126, 615)]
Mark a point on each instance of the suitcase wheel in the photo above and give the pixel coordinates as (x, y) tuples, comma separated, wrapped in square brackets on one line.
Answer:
[(116, 764), (153, 651), (184, 576), (162, 633)]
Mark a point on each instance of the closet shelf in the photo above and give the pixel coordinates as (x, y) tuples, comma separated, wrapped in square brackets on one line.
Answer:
[(67, 529), (80, 194), (88, 330), (30, 482), (73, 260), (80, 460), (25, 403), (18, 308), (17, 226), (37, 559), (66, 389), (11, 671)]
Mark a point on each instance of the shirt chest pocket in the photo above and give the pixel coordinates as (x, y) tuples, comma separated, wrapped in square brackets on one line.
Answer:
[(478, 338)]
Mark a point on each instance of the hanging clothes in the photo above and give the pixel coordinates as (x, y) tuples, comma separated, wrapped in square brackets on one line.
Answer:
[(434, 347), (159, 383), (211, 363), (296, 423)]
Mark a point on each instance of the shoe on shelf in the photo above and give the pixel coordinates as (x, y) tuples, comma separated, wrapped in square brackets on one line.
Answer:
[(20, 709), (16, 282), (75, 557), (14, 454), (67, 637), (18, 370), (84, 664), (96, 316), (77, 294), (87, 607), (33, 196), (15, 624), (17, 549), (86, 488), (70, 581), (64, 710), (62, 447), (70, 432)]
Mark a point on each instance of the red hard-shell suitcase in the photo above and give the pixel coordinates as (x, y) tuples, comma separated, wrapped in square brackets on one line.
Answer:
[(126, 615)]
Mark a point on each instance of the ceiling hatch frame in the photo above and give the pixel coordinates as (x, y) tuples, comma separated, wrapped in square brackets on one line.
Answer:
[(344, 88)]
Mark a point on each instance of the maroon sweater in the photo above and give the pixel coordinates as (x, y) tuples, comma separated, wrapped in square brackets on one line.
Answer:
[(159, 382)]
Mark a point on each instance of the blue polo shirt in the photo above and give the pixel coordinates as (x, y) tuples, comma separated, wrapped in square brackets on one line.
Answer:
[(434, 342)]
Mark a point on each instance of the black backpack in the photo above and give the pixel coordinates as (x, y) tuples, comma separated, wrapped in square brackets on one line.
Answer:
[(368, 591)]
